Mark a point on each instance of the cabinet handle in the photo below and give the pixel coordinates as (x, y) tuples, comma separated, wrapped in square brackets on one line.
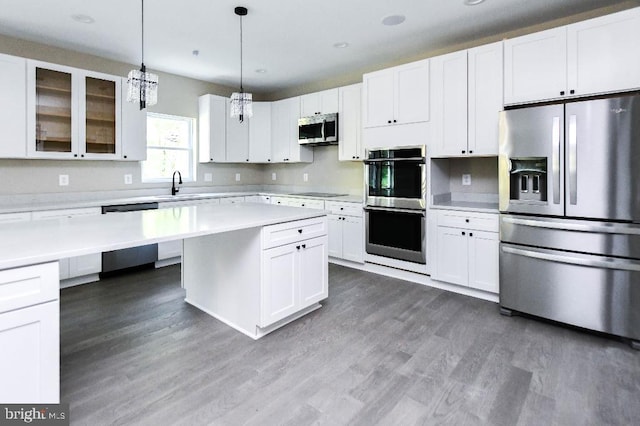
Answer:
[(464, 233), (572, 91), (210, 159), (395, 121), (304, 246), (299, 231), (247, 159), (125, 156), (353, 157), (82, 155), (471, 234), (268, 159), (298, 247), (389, 121), (75, 155), (463, 151), (341, 208), (470, 152), (562, 93), (466, 220), (302, 204)]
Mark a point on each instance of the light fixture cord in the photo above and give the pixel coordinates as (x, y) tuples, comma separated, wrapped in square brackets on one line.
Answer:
[(143, 69), (241, 88), (142, 1)]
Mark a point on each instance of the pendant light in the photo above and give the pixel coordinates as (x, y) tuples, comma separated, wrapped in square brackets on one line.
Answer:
[(142, 85), (241, 101)]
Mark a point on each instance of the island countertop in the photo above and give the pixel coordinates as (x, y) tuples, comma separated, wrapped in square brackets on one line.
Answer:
[(28, 243)]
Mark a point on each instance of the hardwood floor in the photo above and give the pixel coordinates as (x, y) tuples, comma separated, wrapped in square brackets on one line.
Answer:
[(380, 351)]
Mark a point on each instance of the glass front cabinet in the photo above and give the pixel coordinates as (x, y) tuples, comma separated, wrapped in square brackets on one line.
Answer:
[(72, 113)]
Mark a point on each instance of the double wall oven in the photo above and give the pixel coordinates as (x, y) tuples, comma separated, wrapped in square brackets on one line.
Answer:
[(395, 213)]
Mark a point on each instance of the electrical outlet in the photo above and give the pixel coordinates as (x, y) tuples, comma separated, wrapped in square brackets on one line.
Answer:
[(208, 177), (63, 180), (466, 180), (305, 177), (128, 179), (273, 176), (237, 177)]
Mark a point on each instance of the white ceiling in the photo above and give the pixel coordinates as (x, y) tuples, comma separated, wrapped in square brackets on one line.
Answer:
[(292, 39)]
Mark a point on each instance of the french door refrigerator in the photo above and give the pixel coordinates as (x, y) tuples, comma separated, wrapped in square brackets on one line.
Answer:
[(569, 178)]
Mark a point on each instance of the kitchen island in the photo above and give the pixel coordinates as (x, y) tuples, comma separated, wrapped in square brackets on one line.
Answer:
[(255, 267)]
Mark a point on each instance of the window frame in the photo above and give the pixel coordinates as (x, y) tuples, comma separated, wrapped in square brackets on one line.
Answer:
[(191, 149)]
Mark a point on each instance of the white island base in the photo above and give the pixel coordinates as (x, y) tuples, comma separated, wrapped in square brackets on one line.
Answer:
[(256, 280)]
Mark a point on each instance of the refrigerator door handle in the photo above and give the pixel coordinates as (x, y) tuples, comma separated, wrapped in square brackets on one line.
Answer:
[(578, 227), (575, 259), (573, 160), (555, 159)]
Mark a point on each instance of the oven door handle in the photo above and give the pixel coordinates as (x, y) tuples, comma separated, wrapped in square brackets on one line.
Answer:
[(385, 209)]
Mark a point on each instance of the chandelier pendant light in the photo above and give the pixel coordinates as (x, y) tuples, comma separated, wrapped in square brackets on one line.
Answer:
[(240, 105), (142, 85)]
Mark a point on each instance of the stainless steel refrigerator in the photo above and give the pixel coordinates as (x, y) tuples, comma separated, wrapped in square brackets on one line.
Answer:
[(569, 177)]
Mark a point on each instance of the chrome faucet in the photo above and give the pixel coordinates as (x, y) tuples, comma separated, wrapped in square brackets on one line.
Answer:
[(175, 190)]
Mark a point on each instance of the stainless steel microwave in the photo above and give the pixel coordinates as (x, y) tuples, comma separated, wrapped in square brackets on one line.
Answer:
[(318, 129)]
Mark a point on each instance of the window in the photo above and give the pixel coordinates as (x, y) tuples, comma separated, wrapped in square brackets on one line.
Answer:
[(169, 148)]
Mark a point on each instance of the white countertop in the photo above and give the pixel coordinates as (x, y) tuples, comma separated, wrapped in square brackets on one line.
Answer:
[(72, 204), (469, 206), (26, 243)]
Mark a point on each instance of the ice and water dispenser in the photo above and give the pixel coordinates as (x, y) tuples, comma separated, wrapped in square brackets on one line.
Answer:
[(528, 179)]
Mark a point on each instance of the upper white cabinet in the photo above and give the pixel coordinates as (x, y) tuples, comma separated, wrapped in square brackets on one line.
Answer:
[(13, 107), (350, 123), (398, 95), (284, 133), (237, 141), (133, 128), (72, 113), (212, 117), (324, 102), (466, 93), (260, 133), (589, 57)]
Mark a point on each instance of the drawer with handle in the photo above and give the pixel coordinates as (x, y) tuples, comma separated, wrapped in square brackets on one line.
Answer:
[(289, 232)]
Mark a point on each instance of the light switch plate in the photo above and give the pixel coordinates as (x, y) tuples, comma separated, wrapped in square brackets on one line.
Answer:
[(237, 177), (128, 179), (273, 176), (466, 180), (305, 177), (208, 177), (63, 180)]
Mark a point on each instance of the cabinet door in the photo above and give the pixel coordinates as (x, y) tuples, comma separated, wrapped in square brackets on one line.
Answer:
[(412, 93), (329, 101), (212, 113), (350, 123), (52, 111), (451, 256), (260, 133), (535, 66), (483, 260), (335, 235), (485, 98), (602, 53), (279, 132), (279, 292), (85, 265), (169, 249), (378, 98), (353, 239), (133, 127), (449, 91), (30, 358), (13, 106), (310, 104), (98, 118), (237, 140), (313, 271)]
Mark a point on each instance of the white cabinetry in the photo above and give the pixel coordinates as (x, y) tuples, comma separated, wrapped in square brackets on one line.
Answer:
[(260, 133), (323, 102), (589, 57), (309, 203), (346, 230), (237, 142), (467, 249), (13, 106), (284, 133), (212, 117), (397, 95), (133, 128), (467, 96), (30, 335), (72, 113), (350, 123), (81, 269)]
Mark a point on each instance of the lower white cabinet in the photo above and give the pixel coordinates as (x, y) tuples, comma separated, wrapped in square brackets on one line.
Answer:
[(30, 335), (346, 231), (309, 203), (295, 276), (467, 249)]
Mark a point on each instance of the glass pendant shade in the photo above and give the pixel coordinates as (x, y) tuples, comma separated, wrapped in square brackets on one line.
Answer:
[(142, 87), (241, 105)]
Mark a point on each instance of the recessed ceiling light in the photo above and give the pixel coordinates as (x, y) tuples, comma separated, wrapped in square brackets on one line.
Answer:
[(393, 20), (83, 19), (472, 2), (261, 71), (341, 45), (196, 52)]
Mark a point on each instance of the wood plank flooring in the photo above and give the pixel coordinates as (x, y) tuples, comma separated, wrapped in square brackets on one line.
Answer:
[(380, 351)]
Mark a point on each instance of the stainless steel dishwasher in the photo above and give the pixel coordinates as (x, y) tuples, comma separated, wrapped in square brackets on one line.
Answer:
[(130, 257)]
